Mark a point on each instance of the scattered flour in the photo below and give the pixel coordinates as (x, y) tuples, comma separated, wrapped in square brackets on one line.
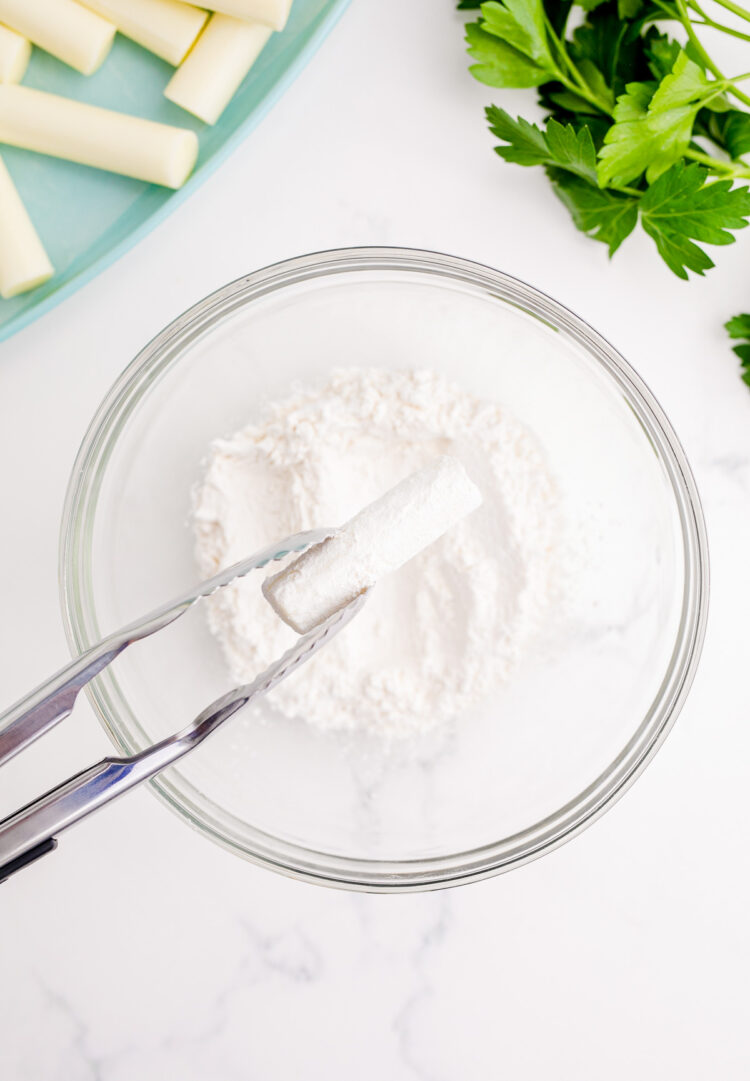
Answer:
[(437, 635)]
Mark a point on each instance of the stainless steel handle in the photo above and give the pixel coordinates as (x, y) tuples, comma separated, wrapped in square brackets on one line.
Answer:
[(32, 831), (43, 819), (51, 702)]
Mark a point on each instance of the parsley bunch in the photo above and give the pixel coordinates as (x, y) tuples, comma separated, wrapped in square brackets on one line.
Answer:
[(638, 126)]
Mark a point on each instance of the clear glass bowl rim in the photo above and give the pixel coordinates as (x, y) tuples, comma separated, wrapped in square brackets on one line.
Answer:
[(327, 868)]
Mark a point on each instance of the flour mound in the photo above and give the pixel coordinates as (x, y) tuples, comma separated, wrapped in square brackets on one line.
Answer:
[(438, 635)]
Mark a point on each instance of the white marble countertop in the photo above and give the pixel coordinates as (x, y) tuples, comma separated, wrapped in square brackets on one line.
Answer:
[(141, 951)]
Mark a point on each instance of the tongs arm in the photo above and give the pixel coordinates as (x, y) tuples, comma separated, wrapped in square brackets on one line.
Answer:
[(32, 831), (51, 702)]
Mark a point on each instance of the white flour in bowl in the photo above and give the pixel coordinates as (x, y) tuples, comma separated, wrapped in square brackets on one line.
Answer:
[(440, 633)]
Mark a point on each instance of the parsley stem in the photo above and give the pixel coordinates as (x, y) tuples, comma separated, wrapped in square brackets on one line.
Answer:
[(705, 21), (668, 9), (563, 55), (701, 52), (574, 81), (708, 21), (716, 165), (579, 86), (741, 12)]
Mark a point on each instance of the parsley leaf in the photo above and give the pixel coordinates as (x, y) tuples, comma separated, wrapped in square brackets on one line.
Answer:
[(739, 327), (510, 43), (628, 9), (628, 145), (521, 24), (731, 129), (526, 143), (680, 208), (559, 145), (653, 126), (596, 82), (661, 52), (499, 64), (572, 150), (685, 84), (613, 45), (603, 215)]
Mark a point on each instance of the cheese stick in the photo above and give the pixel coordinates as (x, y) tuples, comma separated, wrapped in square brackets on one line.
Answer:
[(15, 51), (48, 124), (377, 541), (70, 32), (273, 13), (218, 62), (164, 27), (23, 260)]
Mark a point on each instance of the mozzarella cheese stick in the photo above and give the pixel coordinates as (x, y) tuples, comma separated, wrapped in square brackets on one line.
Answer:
[(164, 27), (64, 28), (273, 13), (220, 59), (23, 260), (48, 124), (378, 540), (15, 51)]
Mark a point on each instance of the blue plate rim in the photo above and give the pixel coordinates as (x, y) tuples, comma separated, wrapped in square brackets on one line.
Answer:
[(30, 315)]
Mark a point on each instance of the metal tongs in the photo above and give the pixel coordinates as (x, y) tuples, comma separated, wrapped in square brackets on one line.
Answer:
[(32, 831)]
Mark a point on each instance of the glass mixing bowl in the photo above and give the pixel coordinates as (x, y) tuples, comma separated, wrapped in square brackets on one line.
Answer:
[(584, 713)]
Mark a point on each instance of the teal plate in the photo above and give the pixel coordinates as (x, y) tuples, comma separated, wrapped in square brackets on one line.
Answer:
[(87, 218)]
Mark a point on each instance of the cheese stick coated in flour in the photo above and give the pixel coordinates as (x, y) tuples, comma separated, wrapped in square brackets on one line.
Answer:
[(218, 62), (48, 124), (15, 51), (63, 28), (377, 541), (23, 260), (273, 13), (166, 28)]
